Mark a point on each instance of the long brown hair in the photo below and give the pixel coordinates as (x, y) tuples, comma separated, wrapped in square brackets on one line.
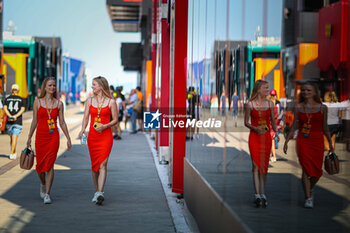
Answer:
[(103, 83), (317, 96), (43, 85), (256, 88)]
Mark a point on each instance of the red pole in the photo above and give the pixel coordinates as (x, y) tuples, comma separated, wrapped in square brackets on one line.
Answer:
[(154, 63), (154, 55), (165, 83), (180, 54)]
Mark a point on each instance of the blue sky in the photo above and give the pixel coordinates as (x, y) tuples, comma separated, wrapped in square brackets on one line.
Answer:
[(87, 34), (85, 30)]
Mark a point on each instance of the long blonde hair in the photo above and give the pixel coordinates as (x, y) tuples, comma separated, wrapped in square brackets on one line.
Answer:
[(256, 88), (317, 96), (103, 83), (43, 86), (330, 97)]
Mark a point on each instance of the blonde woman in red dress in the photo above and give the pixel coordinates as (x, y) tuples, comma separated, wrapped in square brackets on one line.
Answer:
[(310, 118), (260, 112), (46, 109), (100, 139)]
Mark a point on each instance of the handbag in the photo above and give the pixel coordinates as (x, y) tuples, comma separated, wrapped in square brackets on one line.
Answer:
[(137, 106), (331, 163), (26, 160)]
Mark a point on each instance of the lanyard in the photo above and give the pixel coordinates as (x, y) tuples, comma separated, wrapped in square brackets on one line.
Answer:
[(259, 107), (48, 112), (309, 115), (99, 106)]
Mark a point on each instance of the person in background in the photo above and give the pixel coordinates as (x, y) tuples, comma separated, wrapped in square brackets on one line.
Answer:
[(14, 107), (278, 116), (132, 100), (214, 105), (140, 114), (333, 117), (2, 113), (120, 107), (114, 127), (191, 106), (223, 103), (83, 97), (3, 117), (346, 121), (120, 88), (310, 117), (260, 112), (234, 107)]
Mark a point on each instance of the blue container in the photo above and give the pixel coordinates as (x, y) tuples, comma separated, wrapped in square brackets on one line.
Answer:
[(276, 142), (83, 140)]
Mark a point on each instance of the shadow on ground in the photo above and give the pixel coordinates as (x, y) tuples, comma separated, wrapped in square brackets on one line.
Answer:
[(228, 171), (135, 201)]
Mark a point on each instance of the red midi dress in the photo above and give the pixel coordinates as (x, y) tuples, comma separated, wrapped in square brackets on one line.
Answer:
[(260, 144), (46, 143), (100, 144), (310, 149)]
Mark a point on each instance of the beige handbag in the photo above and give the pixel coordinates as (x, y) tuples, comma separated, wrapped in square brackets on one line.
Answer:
[(26, 160)]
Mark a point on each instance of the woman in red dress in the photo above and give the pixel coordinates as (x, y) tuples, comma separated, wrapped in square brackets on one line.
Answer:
[(100, 138), (260, 111), (46, 109), (310, 118)]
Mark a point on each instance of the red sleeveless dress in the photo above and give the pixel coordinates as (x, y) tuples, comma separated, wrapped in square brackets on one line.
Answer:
[(310, 149), (100, 144), (260, 144), (46, 143)]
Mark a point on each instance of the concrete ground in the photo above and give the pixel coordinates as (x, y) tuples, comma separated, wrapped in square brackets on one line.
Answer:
[(134, 197), (222, 158)]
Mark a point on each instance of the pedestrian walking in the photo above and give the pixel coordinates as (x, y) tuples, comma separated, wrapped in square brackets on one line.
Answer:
[(140, 114), (234, 106), (133, 98), (100, 140), (334, 116), (260, 112), (46, 109), (14, 107), (310, 117), (278, 116), (120, 107)]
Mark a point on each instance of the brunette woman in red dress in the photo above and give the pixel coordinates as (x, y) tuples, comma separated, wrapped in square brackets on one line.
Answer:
[(46, 109), (100, 138), (260, 111), (310, 118)]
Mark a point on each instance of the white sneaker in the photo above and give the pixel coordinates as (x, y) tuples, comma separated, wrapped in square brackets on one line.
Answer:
[(13, 156), (47, 199), (263, 200), (100, 198), (273, 159), (94, 199), (42, 191), (309, 203)]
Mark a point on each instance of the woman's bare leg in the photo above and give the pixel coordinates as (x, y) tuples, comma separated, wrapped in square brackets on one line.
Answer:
[(49, 180), (102, 176)]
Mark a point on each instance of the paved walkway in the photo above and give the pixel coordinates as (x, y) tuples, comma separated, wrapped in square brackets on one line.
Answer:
[(134, 198), (223, 160)]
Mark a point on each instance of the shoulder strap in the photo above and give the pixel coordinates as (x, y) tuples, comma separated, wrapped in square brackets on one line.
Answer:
[(39, 102)]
